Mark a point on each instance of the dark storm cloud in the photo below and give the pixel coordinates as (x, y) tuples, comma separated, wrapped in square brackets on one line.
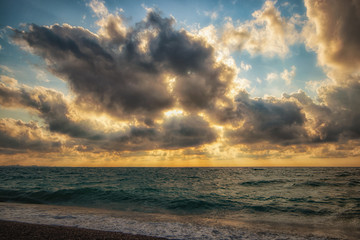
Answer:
[(187, 132), (175, 132), (112, 82), (127, 80), (318, 116), (49, 105), (297, 119), (337, 36), (271, 120), (337, 116), (344, 102), (199, 80), (17, 137)]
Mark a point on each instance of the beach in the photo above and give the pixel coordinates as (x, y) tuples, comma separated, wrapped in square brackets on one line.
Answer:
[(23, 231)]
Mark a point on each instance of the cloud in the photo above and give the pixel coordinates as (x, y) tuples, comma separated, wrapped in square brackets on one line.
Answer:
[(99, 8), (245, 66), (132, 82), (111, 25), (59, 115), (47, 104), (119, 87), (335, 118), (213, 15), (296, 119), (288, 76), (344, 103), (6, 69), (317, 116), (333, 32), (127, 83), (271, 120), (268, 33), (41, 75), (187, 131), (175, 132), (270, 77), (8, 80), (313, 86), (17, 136)]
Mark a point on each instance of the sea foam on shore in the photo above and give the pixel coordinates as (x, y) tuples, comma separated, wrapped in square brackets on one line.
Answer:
[(158, 225)]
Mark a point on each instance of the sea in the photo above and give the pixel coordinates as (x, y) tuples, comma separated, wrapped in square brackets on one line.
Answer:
[(188, 203)]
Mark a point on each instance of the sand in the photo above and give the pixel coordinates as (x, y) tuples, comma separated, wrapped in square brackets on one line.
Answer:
[(25, 231)]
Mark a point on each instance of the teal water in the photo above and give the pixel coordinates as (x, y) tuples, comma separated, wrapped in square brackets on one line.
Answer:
[(325, 197)]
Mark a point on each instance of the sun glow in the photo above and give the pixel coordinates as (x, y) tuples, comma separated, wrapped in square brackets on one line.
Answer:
[(174, 112)]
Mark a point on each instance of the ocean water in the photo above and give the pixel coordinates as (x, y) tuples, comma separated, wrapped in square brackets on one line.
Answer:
[(189, 203)]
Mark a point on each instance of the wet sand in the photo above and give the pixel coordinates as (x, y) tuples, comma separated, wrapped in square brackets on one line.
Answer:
[(25, 231)]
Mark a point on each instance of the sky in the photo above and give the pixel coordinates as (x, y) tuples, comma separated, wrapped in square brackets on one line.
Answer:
[(180, 83)]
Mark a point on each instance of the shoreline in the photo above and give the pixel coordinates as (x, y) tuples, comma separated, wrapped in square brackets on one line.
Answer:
[(25, 231), (34, 221)]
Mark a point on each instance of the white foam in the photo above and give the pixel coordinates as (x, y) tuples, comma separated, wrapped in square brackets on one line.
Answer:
[(167, 226)]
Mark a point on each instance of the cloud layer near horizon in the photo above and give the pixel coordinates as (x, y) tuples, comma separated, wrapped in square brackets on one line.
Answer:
[(159, 87)]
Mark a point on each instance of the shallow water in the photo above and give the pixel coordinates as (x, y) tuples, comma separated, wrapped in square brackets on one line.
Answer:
[(217, 203)]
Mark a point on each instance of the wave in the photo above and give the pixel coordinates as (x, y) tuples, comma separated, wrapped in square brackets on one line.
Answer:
[(271, 192), (318, 184), (262, 182), (192, 204), (122, 200), (63, 196)]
